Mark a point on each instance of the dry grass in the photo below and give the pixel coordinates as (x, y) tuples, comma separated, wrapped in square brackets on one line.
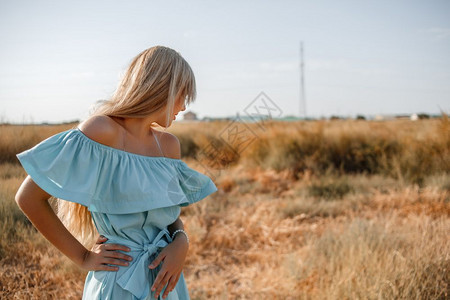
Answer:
[(313, 210)]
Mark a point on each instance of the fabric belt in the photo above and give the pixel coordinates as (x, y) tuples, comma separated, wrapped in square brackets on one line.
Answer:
[(135, 278)]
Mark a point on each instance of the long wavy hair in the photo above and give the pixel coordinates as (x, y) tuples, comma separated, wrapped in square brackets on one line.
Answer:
[(155, 78)]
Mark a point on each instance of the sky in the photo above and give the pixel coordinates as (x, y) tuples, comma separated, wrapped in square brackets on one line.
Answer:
[(57, 58)]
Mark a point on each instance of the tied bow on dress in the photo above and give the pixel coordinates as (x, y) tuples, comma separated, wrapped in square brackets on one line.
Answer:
[(137, 276)]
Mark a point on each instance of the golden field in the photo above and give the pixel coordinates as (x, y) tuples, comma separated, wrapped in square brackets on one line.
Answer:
[(305, 210)]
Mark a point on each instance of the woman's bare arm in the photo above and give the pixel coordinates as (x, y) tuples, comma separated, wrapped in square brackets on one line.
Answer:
[(33, 201), (178, 224)]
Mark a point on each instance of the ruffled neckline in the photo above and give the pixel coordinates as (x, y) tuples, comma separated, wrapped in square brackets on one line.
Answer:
[(123, 152), (71, 166)]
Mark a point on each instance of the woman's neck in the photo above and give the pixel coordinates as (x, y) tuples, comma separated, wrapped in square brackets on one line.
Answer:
[(139, 128)]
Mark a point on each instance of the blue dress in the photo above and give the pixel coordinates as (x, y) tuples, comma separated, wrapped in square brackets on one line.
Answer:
[(132, 199)]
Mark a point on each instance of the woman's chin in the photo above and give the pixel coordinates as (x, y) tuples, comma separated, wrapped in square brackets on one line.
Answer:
[(168, 123)]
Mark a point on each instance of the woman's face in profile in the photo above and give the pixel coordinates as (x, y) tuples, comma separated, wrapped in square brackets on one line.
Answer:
[(180, 105)]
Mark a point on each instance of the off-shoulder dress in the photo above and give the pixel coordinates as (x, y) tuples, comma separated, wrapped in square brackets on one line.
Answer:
[(132, 199)]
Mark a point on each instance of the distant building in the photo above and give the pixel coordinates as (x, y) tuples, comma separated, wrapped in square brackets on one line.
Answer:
[(190, 116), (414, 117)]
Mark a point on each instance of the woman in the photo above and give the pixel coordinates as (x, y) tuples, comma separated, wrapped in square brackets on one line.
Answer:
[(124, 180)]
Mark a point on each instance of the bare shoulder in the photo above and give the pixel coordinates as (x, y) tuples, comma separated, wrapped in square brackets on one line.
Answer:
[(170, 144), (101, 129)]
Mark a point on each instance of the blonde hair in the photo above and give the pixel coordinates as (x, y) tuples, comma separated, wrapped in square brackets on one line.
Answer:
[(154, 80)]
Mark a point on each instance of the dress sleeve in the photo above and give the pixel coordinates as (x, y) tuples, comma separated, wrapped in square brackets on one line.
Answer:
[(194, 185), (53, 165)]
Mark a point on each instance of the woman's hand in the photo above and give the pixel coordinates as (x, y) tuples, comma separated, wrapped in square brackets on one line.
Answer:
[(98, 258), (173, 257)]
